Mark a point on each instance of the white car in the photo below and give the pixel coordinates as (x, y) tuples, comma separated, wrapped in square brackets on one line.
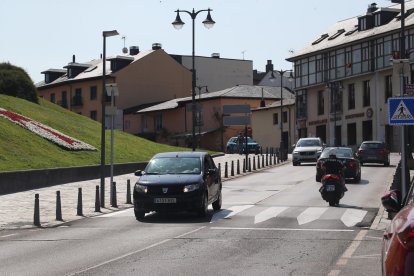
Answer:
[(307, 150)]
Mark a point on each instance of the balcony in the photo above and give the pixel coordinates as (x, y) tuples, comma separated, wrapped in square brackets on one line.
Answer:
[(77, 101)]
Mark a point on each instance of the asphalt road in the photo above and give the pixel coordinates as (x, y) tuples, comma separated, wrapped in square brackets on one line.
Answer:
[(273, 222)]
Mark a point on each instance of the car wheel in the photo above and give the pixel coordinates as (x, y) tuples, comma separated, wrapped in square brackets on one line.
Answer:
[(386, 164), (139, 214), (217, 204), (358, 178), (318, 178), (202, 212), (361, 164)]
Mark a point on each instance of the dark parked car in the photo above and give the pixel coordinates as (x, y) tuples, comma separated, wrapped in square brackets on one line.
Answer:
[(373, 152), (233, 146), (353, 167), (178, 181), (398, 240)]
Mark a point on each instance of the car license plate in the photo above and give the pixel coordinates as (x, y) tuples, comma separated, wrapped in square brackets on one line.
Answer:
[(165, 200), (330, 188)]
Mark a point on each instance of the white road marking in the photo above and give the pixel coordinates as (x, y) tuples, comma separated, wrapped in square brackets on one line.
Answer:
[(282, 229), (5, 236), (352, 247), (353, 216), (269, 213), (136, 251), (114, 214), (310, 214), (229, 212), (334, 273)]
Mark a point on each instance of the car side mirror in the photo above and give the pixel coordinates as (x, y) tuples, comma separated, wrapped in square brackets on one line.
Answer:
[(294, 145), (210, 172), (138, 173), (391, 201)]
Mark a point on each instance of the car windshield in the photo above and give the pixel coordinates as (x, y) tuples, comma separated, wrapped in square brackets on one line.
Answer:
[(372, 146), (338, 152), (234, 140), (309, 143), (174, 165)]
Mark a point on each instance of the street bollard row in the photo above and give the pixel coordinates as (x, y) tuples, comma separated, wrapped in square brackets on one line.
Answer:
[(79, 207)]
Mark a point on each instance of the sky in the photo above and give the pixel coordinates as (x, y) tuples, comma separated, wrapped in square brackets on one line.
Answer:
[(41, 34)]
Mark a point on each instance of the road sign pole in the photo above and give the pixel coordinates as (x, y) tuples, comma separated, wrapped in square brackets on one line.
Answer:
[(403, 156)]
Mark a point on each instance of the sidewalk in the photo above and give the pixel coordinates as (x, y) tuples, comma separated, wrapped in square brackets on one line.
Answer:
[(17, 210)]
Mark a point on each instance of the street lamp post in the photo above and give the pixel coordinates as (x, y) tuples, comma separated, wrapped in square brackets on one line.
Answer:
[(282, 147), (199, 112), (105, 34), (178, 24), (334, 88)]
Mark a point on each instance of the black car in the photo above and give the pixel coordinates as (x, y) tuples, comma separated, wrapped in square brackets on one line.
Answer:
[(353, 167), (178, 181), (373, 152)]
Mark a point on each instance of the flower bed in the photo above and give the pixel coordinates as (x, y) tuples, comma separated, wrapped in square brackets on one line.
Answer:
[(46, 132)]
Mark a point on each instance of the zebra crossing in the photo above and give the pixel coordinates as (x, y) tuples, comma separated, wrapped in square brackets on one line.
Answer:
[(350, 217)]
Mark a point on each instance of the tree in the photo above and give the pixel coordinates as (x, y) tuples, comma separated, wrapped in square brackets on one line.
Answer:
[(14, 81)]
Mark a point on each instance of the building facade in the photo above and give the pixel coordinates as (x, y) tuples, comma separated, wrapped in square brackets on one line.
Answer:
[(344, 78)]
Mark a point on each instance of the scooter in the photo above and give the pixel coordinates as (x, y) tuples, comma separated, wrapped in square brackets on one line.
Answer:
[(332, 188)]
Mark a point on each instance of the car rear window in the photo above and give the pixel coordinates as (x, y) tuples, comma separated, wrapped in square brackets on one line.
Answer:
[(372, 146)]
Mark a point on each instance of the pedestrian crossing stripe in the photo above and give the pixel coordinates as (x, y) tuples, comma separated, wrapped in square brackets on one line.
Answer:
[(402, 112)]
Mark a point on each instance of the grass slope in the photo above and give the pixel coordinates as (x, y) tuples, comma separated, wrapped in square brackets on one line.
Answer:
[(21, 149)]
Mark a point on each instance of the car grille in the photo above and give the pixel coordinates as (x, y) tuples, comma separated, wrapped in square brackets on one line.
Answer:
[(307, 153), (158, 190)]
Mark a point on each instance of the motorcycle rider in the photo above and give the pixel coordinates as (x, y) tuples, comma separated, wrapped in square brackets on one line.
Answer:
[(334, 165)]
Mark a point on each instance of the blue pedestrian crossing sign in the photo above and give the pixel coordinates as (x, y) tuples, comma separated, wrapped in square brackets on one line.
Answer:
[(400, 111)]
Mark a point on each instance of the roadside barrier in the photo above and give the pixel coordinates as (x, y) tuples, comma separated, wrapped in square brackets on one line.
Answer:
[(238, 166), (232, 168), (79, 208), (58, 207), (36, 216), (254, 163), (226, 174), (97, 200), (244, 165), (128, 193)]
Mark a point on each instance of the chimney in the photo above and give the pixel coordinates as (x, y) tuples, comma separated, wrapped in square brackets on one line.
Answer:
[(372, 7), (215, 55), (156, 46), (73, 58), (133, 50), (269, 66)]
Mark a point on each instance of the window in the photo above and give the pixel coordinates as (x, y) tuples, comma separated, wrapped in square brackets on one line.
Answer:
[(93, 114), (64, 101), (336, 100), (53, 98), (388, 87), (321, 103), (338, 33), (351, 133), (93, 92), (320, 39), (301, 104), (158, 122), (351, 96), (275, 118), (366, 101), (285, 116)]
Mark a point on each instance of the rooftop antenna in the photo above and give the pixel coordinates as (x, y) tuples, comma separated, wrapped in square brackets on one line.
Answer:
[(125, 49), (243, 53)]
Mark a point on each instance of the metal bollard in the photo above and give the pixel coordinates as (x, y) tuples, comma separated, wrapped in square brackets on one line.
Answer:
[(274, 159), (250, 165), (128, 194), (238, 166), (58, 207), (97, 205), (254, 163), (36, 216), (226, 174), (114, 201), (232, 168), (79, 209), (258, 162), (263, 162), (244, 165), (267, 160), (219, 168), (270, 159)]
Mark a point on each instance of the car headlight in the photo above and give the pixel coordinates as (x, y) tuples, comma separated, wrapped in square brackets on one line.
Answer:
[(141, 188), (295, 152), (191, 188)]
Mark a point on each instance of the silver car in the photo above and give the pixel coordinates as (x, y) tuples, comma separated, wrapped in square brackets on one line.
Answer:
[(307, 150)]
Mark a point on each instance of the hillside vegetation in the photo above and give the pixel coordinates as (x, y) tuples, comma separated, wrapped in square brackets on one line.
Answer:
[(21, 149)]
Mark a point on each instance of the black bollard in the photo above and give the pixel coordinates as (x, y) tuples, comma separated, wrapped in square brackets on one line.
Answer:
[(258, 162), (244, 165), (79, 209), (274, 159), (114, 201), (254, 163), (267, 160), (270, 159), (250, 165), (226, 174), (238, 166), (263, 163), (232, 168), (97, 205), (128, 194), (36, 216), (58, 207)]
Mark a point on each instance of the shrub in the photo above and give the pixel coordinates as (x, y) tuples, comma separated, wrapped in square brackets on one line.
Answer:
[(14, 81)]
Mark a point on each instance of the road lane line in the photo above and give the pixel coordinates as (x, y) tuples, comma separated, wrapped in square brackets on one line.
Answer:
[(310, 214), (334, 273), (5, 236), (269, 213), (352, 217), (352, 248), (282, 229), (134, 252)]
